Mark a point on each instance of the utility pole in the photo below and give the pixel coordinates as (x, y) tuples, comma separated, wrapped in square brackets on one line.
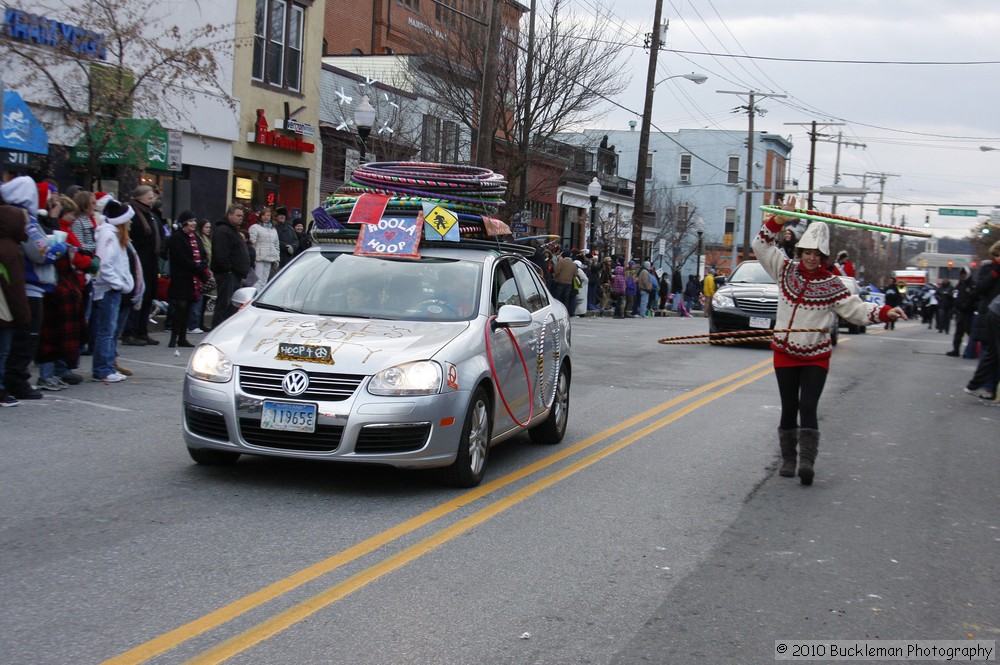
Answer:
[(813, 135), (748, 210), (836, 168), (639, 195), (528, 91), (487, 98)]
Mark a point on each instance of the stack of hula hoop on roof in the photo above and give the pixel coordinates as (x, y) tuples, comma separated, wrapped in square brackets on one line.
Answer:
[(471, 192)]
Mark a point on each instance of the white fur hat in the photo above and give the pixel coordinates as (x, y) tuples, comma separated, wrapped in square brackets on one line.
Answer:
[(816, 236)]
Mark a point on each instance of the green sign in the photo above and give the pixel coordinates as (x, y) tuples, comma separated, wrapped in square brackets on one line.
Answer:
[(958, 212)]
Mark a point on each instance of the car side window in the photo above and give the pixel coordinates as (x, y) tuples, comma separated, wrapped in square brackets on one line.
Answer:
[(504, 287), (532, 292)]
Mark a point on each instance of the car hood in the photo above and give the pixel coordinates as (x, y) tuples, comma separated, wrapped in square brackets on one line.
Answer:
[(748, 290), (357, 346)]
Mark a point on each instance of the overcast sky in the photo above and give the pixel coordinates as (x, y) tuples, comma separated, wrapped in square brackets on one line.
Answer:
[(922, 123)]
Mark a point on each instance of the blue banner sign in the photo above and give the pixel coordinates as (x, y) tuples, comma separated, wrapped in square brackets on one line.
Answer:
[(55, 34)]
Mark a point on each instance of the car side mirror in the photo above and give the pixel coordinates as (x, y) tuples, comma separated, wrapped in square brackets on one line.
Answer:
[(242, 296), (512, 316)]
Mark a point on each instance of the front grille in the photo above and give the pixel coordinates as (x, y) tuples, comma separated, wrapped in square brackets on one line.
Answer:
[(392, 438), (209, 424), (323, 387), (325, 439), (755, 307)]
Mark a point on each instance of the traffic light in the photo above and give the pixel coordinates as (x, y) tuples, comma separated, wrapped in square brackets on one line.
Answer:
[(927, 221)]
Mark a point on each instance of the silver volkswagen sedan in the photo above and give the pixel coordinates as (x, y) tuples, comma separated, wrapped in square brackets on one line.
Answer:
[(413, 363)]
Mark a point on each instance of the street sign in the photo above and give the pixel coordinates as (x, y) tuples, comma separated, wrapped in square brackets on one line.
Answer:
[(958, 212), (174, 152)]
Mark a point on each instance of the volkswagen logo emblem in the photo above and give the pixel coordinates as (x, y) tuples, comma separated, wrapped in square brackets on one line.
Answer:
[(295, 382)]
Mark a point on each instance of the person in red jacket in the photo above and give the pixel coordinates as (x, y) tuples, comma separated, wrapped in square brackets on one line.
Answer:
[(63, 327), (843, 266)]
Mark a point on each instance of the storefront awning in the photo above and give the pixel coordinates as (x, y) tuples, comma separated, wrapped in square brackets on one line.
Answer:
[(133, 142), (23, 140)]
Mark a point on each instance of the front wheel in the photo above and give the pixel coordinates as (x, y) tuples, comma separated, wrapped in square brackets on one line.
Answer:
[(469, 466), (553, 429)]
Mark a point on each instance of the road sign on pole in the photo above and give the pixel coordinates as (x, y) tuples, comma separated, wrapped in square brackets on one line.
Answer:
[(958, 212), (174, 152)]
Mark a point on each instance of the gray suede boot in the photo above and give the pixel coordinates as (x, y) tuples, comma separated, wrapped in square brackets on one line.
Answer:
[(788, 439), (808, 449)]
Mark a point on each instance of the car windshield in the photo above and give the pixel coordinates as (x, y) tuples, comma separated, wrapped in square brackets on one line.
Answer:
[(750, 272), (341, 284)]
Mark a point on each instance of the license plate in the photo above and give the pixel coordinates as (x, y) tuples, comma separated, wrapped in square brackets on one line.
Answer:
[(760, 322), (288, 417)]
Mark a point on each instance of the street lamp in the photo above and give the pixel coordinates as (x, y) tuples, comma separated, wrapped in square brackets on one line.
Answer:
[(364, 118), (639, 193), (594, 191), (700, 228), (697, 78)]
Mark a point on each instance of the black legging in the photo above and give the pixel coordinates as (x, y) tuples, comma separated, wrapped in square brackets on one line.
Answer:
[(800, 389), (181, 310)]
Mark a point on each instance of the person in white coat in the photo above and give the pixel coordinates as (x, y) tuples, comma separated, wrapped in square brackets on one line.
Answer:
[(267, 250), (113, 281), (581, 292)]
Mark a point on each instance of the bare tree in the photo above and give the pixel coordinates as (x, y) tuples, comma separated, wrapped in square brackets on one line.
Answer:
[(135, 64), (575, 68), (676, 223)]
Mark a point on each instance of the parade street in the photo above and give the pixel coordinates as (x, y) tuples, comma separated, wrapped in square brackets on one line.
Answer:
[(658, 531)]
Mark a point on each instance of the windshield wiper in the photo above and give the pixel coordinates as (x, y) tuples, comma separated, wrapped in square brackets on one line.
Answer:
[(276, 308)]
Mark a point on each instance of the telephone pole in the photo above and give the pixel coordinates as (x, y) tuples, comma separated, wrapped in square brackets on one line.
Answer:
[(751, 112), (836, 168), (639, 195), (813, 136)]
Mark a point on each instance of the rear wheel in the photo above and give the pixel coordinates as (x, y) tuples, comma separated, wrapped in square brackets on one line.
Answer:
[(553, 429), (210, 457), (469, 466)]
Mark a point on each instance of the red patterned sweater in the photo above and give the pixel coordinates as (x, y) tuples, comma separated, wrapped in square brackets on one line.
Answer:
[(808, 300)]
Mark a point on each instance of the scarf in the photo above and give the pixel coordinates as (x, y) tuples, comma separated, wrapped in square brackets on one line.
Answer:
[(196, 255)]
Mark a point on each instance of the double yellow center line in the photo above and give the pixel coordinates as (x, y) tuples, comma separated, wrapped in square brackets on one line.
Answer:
[(283, 620)]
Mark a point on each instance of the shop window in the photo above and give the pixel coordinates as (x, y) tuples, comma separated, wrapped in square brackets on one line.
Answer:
[(277, 44), (439, 140)]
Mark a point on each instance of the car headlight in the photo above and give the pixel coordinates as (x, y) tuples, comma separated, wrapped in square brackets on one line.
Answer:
[(208, 363), (417, 378), (723, 301)]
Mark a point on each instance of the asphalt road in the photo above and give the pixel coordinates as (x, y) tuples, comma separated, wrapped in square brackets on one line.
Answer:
[(658, 531)]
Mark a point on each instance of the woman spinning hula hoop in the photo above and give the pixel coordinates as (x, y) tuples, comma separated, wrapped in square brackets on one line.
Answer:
[(809, 296)]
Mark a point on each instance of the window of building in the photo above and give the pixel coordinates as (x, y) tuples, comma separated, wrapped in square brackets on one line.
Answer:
[(730, 227), (733, 172), (685, 173), (439, 140), (649, 166), (682, 213), (410, 4), (277, 44)]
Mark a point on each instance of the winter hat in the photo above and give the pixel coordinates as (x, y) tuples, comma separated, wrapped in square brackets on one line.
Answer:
[(842, 254), (184, 216), (117, 212), (21, 192), (101, 199), (646, 265), (816, 236), (45, 191)]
